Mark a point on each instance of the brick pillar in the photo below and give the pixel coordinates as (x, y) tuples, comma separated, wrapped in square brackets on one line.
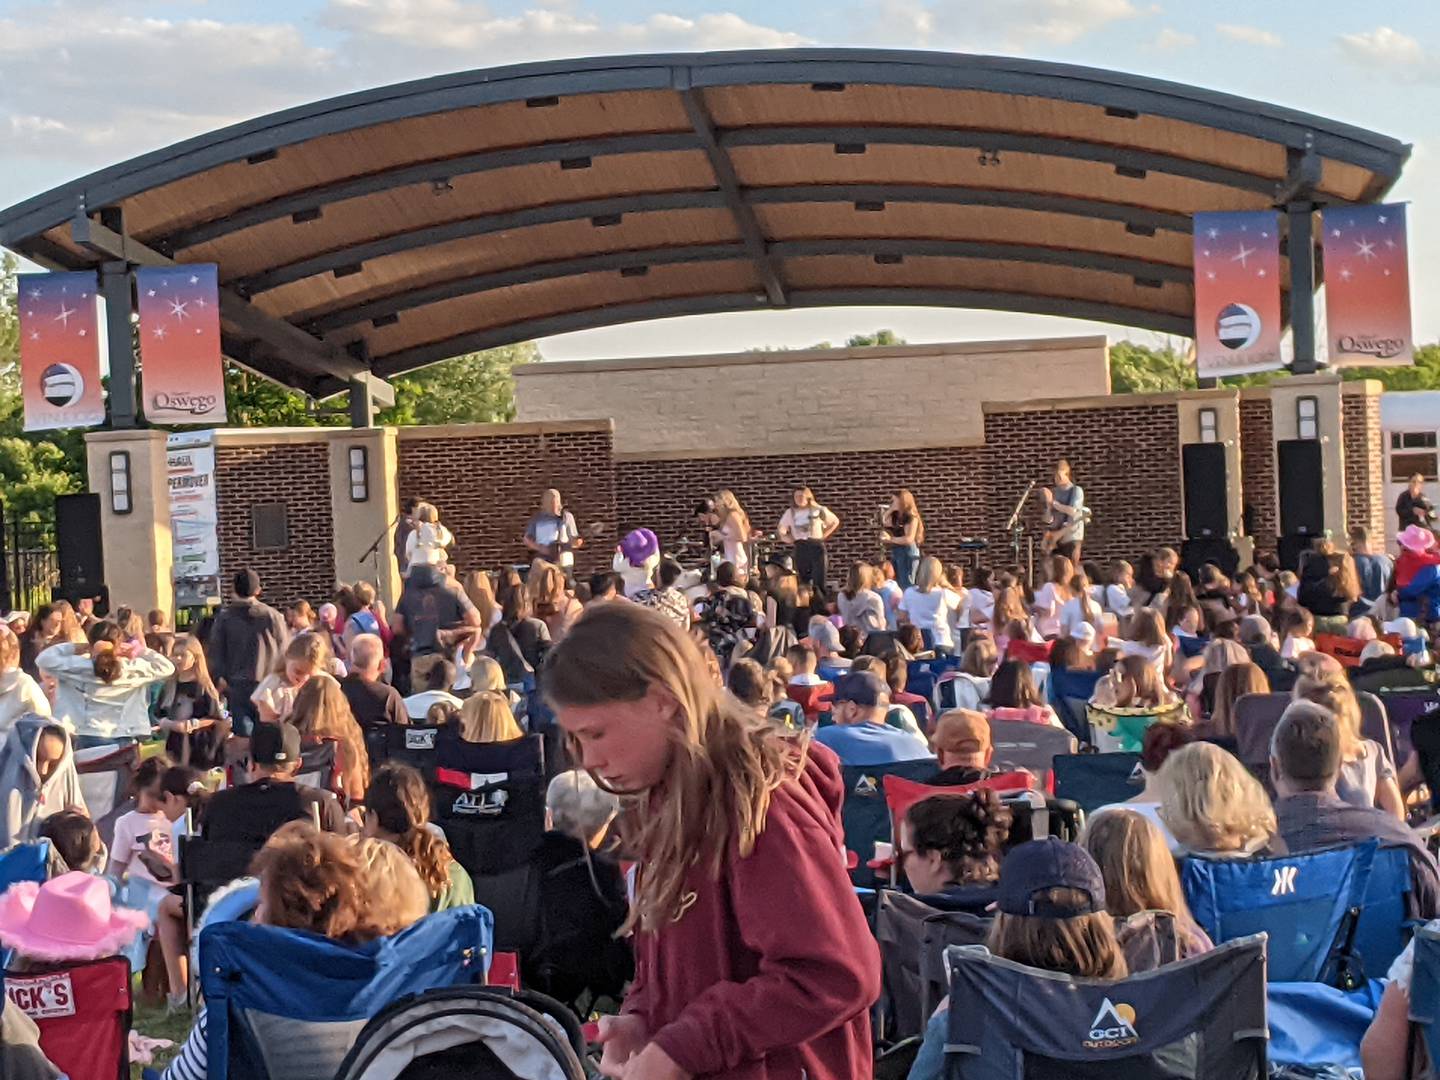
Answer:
[(1257, 468), (138, 554), (1364, 444)]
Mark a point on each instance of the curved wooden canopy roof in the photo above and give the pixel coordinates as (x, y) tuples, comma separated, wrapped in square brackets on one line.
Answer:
[(396, 227)]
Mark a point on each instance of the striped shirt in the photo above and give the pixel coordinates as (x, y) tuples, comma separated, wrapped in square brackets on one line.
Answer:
[(192, 1061)]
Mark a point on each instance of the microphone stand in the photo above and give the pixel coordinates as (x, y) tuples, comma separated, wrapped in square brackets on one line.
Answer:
[(1015, 527), (373, 551)]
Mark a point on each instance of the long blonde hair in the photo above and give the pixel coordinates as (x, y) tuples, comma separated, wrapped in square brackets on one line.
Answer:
[(1137, 866), (486, 718), (1211, 803), (481, 592), (307, 648), (726, 760), (930, 575), (730, 508), (1235, 682), (189, 643), (1334, 693), (546, 586), (322, 711)]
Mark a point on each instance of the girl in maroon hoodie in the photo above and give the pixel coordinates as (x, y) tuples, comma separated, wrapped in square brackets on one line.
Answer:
[(753, 958)]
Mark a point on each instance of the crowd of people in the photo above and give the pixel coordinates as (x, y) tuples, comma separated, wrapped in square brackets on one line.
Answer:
[(709, 712)]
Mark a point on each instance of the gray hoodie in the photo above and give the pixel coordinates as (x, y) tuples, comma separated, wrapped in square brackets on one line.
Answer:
[(25, 801)]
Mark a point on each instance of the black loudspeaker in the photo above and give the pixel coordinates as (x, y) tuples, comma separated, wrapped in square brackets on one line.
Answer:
[(1207, 491), (77, 543), (1302, 488), (1196, 552)]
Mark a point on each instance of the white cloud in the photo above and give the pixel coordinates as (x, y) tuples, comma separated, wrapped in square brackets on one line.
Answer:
[(1250, 35), (1383, 48), (1015, 26), (1170, 38)]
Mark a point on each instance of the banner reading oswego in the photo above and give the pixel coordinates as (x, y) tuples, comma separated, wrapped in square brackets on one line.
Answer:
[(61, 347), (183, 377), (1367, 286), (1237, 293)]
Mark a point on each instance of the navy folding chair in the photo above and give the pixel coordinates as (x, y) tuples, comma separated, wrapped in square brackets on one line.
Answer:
[(413, 744), (24, 862), (921, 675), (1375, 723), (1308, 904), (283, 1004), (1387, 915), (1202, 1018), (1096, 780), (1070, 693), (489, 799), (865, 814), (913, 937), (1256, 716)]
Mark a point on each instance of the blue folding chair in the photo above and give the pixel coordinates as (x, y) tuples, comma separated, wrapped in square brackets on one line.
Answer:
[(24, 862), (1202, 1018), (865, 814), (1308, 904), (1070, 693), (283, 1004), (1096, 780), (921, 675), (1387, 917)]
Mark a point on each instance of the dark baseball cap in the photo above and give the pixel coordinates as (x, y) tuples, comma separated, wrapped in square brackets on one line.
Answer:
[(1038, 865), (864, 688), (275, 744)]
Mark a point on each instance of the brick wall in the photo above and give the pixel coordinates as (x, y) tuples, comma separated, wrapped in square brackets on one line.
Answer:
[(1257, 470), (1126, 458), (949, 486), (298, 475), (1364, 463), (487, 484)]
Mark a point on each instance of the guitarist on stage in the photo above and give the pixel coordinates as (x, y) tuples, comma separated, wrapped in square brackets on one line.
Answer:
[(552, 533), (1066, 515)]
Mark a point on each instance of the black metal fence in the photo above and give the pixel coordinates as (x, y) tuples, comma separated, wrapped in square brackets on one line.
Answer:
[(32, 567)]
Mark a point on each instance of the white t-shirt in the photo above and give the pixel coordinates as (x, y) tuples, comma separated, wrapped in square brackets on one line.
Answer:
[(1047, 610), (807, 522), (931, 611), (1296, 646), (1117, 599), (136, 832), (982, 607), (1071, 616), (276, 692)]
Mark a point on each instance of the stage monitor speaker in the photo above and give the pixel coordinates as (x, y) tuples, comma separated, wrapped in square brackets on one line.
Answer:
[(77, 543), (1289, 549), (1302, 488), (1207, 491)]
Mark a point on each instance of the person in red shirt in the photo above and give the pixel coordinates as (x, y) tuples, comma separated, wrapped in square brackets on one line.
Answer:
[(753, 958)]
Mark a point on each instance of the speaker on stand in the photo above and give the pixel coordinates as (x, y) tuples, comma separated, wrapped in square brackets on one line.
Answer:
[(78, 548), (1207, 509), (1302, 497)]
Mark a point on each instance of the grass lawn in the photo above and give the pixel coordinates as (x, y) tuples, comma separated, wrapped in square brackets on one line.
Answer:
[(151, 1020)]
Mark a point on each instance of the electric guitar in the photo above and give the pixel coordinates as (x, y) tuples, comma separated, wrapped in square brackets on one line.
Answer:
[(1052, 538)]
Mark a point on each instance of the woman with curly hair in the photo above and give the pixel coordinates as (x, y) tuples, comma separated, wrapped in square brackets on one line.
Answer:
[(950, 849), (753, 958), (397, 809)]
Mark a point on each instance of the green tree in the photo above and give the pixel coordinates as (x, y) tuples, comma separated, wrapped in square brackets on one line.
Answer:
[(477, 388), (879, 339), (1142, 369), (34, 468), (1424, 375)]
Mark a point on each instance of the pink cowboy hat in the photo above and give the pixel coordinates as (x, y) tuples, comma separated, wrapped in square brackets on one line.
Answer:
[(68, 918), (1416, 538)]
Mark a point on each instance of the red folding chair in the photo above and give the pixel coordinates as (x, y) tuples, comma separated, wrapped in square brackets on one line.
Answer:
[(83, 1013), (901, 794), (1344, 649), (1031, 652), (813, 699), (504, 970)]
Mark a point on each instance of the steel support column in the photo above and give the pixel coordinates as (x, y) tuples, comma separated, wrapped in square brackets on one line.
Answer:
[(1301, 217), (119, 293)]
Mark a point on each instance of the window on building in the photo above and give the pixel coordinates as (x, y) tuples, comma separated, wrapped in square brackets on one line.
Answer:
[(1404, 466), (1209, 426), (1307, 417)]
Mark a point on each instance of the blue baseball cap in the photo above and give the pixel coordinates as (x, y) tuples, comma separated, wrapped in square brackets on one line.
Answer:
[(1036, 866)]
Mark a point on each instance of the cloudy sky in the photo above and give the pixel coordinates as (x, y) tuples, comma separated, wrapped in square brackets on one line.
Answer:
[(85, 83)]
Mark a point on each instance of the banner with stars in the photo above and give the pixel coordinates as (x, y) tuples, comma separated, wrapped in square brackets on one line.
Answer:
[(61, 346), (1237, 293), (181, 370), (1367, 286)]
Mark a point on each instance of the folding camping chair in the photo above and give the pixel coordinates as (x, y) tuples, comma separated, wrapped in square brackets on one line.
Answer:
[(105, 775), (1030, 820), (24, 862), (913, 936), (1404, 706), (490, 801), (1307, 904), (320, 766), (1095, 780), (1032, 747), (1388, 915), (285, 1004), (1375, 724), (413, 744), (83, 1013), (864, 814), (1069, 693), (922, 675), (1425, 1003), (468, 1031), (1256, 717), (1202, 1018)]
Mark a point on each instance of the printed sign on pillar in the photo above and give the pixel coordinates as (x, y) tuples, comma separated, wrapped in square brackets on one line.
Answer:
[(1237, 293), (181, 370), (1367, 286), (61, 351)]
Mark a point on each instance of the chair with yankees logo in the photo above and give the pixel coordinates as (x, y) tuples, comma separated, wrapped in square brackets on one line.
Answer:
[(1202, 1018), (1309, 905), (490, 801)]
